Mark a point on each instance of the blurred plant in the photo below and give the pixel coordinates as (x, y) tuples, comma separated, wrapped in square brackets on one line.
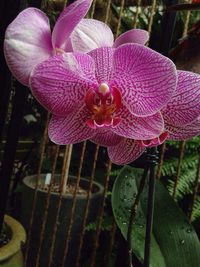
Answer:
[(188, 172)]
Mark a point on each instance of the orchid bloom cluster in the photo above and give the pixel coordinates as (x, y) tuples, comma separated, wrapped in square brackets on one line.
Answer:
[(121, 95)]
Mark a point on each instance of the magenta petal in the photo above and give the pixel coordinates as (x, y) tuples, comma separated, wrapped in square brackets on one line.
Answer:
[(139, 128), (91, 34), (106, 138), (103, 58), (185, 132), (184, 107), (145, 78), (125, 152), (71, 128), (59, 83), (68, 20), (27, 43), (133, 36)]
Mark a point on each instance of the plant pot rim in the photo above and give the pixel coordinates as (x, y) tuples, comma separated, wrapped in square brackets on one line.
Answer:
[(27, 179), (18, 236)]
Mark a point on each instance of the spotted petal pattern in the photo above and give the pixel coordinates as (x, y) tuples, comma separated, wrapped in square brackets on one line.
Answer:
[(184, 106), (71, 128), (125, 152), (60, 83), (27, 43), (139, 128), (145, 78), (91, 34), (103, 58), (106, 138), (185, 132), (133, 36), (67, 21)]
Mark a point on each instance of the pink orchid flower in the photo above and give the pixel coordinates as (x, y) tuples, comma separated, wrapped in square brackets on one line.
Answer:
[(105, 95), (91, 34), (29, 41), (181, 116)]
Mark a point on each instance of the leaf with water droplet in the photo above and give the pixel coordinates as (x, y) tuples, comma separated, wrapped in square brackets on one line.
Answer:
[(170, 224)]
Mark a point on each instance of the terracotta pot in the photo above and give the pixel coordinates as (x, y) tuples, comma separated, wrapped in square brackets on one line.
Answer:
[(10, 254)]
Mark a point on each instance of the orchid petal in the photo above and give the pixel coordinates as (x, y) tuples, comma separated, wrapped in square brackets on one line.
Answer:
[(103, 58), (125, 152), (184, 106), (71, 128), (184, 132), (139, 128), (60, 83), (91, 34), (133, 36), (145, 78), (106, 138), (27, 43), (67, 21)]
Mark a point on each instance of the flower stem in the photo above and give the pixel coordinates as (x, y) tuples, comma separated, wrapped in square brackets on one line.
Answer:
[(150, 208), (133, 215)]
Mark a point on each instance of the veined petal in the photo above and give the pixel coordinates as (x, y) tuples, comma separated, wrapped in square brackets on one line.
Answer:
[(145, 78), (91, 34), (106, 138), (59, 83), (71, 128), (133, 36), (103, 58), (67, 21), (184, 106), (27, 43), (125, 152), (184, 132), (139, 128)]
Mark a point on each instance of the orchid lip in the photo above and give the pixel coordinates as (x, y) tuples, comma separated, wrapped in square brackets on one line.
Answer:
[(103, 103)]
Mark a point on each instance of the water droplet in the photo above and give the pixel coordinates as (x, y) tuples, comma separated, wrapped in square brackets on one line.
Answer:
[(189, 230), (124, 223), (182, 242)]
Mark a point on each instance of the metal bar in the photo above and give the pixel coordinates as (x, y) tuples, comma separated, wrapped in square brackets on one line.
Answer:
[(136, 14), (183, 7), (71, 220), (110, 245), (42, 150), (47, 206), (100, 219), (108, 11), (153, 8), (134, 213), (93, 8), (62, 181), (120, 17), (89, 192)]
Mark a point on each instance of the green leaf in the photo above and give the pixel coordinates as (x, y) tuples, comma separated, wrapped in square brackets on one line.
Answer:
[(174, 241)]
